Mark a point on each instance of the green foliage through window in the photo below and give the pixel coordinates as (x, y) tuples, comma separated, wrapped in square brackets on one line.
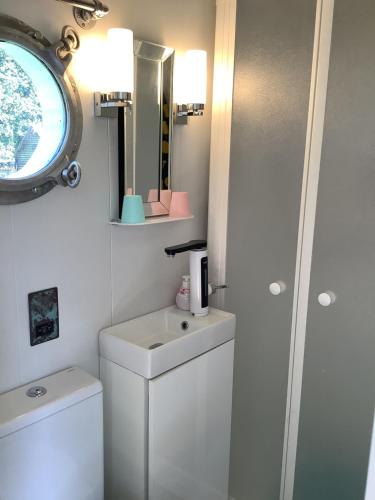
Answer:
[(20, 115)]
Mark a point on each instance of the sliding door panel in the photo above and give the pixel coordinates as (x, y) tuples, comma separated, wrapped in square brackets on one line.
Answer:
[(338, 391), (271, 97)]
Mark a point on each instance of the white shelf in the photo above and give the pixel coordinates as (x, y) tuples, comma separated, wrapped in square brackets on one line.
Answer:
[(152, 220)]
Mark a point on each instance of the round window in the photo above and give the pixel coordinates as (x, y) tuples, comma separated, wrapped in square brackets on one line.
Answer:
[(32, 114), (40, 112)]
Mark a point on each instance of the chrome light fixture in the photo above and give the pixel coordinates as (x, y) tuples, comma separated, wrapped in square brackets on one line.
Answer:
[(87, 12), (190, 88), (119, 67)]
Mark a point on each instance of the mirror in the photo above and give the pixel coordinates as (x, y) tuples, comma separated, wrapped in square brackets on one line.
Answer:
[(40, 113), (148, 129)]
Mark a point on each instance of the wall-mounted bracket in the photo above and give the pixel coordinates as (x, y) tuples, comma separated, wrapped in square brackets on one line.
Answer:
[(87, 12), (106, 105), (183, 111)]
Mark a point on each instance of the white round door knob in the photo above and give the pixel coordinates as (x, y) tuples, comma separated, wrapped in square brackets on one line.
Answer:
[(326, 299), (277, 288)]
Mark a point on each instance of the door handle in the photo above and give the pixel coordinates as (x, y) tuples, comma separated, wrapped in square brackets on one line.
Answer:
[(327, 298), (277, 288)]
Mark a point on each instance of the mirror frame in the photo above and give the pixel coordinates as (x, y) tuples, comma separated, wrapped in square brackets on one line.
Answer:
[(56, 58), (153, 208)]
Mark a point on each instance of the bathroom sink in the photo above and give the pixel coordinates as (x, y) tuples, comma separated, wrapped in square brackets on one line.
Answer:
[(155, 343)]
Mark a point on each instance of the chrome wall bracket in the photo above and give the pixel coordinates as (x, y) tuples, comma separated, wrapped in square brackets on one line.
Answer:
[(212, 288), (87, 12), (106, 105), (183, 111)]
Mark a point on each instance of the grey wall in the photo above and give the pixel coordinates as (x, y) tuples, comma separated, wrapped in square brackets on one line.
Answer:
[(105, 275), (272, 82)]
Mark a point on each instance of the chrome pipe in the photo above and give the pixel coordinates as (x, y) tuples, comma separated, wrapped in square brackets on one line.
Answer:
[(80, 5), (87, 12), (97, 7)]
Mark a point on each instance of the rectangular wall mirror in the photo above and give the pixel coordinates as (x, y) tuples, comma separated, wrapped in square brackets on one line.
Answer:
[(145, 157)]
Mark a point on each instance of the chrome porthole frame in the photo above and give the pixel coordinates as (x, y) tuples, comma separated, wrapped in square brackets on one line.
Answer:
[(56, 57)]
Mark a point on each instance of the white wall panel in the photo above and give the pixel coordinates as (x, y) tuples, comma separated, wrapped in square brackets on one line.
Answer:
[(9, 365), (64, 240)]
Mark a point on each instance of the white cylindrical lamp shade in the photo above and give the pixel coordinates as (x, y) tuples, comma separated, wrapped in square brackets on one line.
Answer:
[(196, 72), (121, 60), (190, 81)]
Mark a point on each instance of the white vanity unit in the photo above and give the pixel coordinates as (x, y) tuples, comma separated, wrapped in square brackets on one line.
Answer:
[(167, 380)]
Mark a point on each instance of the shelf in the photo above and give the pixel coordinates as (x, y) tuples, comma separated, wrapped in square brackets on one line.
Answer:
[(152, 220)]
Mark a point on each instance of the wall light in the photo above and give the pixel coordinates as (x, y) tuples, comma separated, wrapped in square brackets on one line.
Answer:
[(190, 85), (119, 70)]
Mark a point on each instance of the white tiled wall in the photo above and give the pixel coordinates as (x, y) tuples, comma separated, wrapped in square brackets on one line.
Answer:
[(104, 274)]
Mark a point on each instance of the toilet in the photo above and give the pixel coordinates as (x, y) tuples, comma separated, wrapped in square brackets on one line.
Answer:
[(51, 439)]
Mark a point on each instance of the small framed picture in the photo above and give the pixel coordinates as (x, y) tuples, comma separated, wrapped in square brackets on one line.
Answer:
[(43, 316)]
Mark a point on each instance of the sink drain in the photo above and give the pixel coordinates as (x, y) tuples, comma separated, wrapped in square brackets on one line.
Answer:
[(154, 346)]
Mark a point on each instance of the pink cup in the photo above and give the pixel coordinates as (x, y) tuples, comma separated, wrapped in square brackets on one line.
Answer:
[(180, 205)]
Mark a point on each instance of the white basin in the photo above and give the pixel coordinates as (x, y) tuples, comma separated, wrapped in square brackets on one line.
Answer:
[(132, 344)]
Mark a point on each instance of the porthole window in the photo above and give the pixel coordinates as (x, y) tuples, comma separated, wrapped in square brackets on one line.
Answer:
[(32, 114), (40, 113)]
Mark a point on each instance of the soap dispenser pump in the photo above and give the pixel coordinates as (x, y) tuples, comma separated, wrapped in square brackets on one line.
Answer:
[(198, 274)]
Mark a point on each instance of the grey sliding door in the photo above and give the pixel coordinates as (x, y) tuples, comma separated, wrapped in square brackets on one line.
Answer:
[(338, 391), (271, 96)]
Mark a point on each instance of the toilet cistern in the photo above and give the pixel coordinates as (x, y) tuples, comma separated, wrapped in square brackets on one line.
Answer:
[(198, 273)]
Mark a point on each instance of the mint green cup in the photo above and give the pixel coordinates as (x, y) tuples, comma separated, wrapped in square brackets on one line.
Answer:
[(132, 209)]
